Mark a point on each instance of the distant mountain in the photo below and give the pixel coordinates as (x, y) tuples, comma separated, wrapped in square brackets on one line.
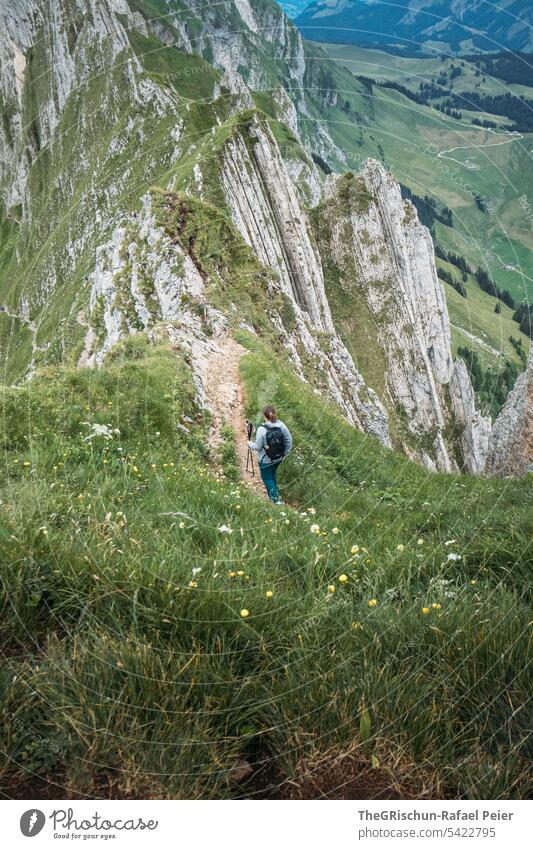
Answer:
[(293, 8), (458, 25)]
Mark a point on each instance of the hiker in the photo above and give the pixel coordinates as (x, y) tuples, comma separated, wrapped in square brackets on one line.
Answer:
[(273, 442)]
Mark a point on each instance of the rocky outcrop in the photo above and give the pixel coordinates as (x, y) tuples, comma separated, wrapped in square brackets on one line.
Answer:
[(511, 444), (265, 208), (141, 278), (386, 263), (259, 42), (471, 429), (94, 125)]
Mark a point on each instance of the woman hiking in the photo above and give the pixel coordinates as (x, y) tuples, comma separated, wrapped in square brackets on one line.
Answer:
[(273, 441)]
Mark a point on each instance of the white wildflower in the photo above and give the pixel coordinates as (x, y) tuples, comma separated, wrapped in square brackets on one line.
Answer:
[(100, 430)]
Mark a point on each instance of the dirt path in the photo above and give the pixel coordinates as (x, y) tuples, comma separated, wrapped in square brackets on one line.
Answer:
[(225, 397)]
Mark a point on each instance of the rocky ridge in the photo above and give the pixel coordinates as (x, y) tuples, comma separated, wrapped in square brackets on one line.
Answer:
[(87, 128)]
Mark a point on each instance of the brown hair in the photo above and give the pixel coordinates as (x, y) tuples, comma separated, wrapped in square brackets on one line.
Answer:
[(269, 413)]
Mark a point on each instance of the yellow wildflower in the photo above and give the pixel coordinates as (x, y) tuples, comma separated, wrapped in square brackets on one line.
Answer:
[(436, 606), (354, 549), (373, 602), (400, 547), (245, 613), (193, 584), (335, 531), (269, 593), (425, 611), (343, 579), (331, 588)]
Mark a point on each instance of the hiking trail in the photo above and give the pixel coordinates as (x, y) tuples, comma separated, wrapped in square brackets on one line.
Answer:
[(226, 400)]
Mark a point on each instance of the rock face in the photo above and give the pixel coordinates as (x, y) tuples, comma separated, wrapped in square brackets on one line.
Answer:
[(511, 444), (473, 428), (386, 263), (140, 277), (265, 208)]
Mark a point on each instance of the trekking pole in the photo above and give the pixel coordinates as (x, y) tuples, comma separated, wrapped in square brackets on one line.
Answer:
[(250, 462), (249, 456)]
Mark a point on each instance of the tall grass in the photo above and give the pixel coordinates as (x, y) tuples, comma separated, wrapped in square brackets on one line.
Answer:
[(129, 672)]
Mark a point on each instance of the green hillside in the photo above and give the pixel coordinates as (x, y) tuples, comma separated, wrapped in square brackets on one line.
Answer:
[(447, 158), (411, 71), (123, 620)]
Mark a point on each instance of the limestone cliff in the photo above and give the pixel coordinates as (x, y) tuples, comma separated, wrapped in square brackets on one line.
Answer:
[(141, 277), (48, 51), (511, 444), (383, 260), (473, 430), (266, 209)]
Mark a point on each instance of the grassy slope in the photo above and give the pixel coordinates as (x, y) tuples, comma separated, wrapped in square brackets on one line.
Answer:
[(131, 676), (476, 316), (410, 72)]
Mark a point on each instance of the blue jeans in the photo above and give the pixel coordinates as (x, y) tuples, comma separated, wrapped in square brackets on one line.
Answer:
[(268, 473)]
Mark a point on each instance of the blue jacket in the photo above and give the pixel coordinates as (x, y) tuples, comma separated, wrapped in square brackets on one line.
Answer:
[(260, 440)]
